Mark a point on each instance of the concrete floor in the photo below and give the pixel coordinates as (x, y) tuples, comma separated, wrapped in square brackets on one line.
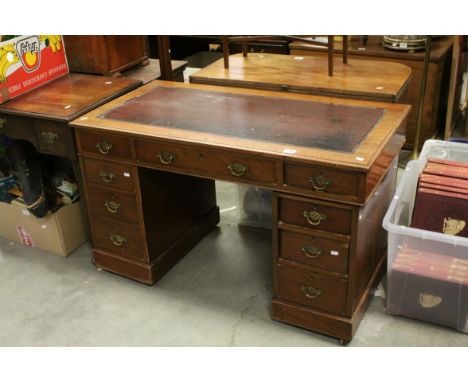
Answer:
[(218, 295)]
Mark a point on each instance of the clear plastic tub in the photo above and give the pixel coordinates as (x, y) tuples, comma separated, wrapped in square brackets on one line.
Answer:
[(434, 148), (255, 207), (412, 295)]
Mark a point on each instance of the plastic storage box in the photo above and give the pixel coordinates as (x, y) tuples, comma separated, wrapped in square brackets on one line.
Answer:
[(444, 150), (255, 207), (432, 299)]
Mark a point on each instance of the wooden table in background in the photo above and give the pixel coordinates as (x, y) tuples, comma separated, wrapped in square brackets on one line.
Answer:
[(435, 105), (331, 165), (369, 80), (41, 116)]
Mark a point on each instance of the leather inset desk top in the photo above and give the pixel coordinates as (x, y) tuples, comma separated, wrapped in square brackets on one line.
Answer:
[(273, 119)]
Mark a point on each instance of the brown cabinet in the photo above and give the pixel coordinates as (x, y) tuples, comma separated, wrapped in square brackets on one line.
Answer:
[(104, 55), (435, 101)]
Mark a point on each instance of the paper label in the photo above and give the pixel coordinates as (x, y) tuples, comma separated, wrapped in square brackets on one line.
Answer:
[(24, 237), (334, 253), (126, 174)]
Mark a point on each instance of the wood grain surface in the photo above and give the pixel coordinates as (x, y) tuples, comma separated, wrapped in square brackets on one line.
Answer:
[(309, 74), (68, 97)]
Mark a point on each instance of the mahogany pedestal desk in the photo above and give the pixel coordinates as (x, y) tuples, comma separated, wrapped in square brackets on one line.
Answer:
[(41, 116), (149, 159), (438, 79)]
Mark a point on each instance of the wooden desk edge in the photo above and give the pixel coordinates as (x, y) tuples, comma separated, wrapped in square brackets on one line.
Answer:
[(395, 115), (67, 119)]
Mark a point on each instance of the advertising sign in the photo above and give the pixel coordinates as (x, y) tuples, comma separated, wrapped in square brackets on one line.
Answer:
[(27, 62)]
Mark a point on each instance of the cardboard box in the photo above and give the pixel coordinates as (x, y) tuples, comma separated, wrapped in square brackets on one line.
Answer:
[(60, 233), (27, 62)]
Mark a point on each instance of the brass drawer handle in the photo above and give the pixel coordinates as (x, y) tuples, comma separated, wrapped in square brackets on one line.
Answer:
[(314, 217), (2, 123), (112, 206), (107, 176), (237, 169), (105, 147), (319, 182), (311, 292), (118, 240), (166, 157), (312, 252), (49, 137)]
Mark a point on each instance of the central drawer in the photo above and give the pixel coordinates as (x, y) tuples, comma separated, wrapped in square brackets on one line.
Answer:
[(312, 289), (206, 162), (329, 217), (51, 137)]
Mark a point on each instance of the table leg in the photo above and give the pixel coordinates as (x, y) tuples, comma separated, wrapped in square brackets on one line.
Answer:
[(164, 51)]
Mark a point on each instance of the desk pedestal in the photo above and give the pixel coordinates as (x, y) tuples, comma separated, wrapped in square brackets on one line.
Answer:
[(143, 221), (326, 264)]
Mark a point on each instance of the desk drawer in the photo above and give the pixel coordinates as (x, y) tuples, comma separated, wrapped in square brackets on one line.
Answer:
[(113, 175), (312, 289), (51, 137), (18, 127), (206, 162), (317, 215), (104, 144), (119, 238), (112, 205), (321, 179), (314, 250)]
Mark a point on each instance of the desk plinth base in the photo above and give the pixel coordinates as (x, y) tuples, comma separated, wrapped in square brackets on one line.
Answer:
[(325, 323), (150, 273)]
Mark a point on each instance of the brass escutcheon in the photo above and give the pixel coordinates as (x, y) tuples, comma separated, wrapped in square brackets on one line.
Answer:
[(49, 136), (2, 123), (319, 182), (166, 157), (105, 147), (312, 252), (237, 169), (314, 217), (107, 176), (112, 206), (118, 240), (311, 292)]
